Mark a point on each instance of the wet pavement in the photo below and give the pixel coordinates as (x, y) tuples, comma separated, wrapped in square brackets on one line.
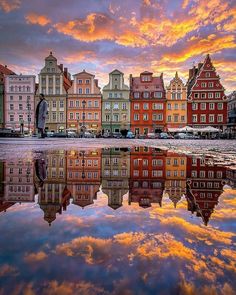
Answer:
[(117, 217)]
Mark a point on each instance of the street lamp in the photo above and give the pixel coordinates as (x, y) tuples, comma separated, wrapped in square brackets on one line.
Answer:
[(83, 104)]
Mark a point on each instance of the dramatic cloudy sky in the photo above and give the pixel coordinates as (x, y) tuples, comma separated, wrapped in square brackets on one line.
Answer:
[(100, 35)]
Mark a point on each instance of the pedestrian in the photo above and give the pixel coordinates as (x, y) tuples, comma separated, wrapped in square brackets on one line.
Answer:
[(41, 113)]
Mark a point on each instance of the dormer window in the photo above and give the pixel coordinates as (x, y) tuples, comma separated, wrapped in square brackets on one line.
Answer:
[(146, 94), (146, 78), (136, 94)]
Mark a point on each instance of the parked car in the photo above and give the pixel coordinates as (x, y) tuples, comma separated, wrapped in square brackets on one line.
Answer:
[(130, 135), (152, 135), (186, 136), (88, 135), (72, 134), (142, 136), (164, 135), (117, 135), (50, 134), (106, 135)]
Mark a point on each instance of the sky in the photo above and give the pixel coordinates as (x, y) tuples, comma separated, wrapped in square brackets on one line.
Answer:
[(132, 36)]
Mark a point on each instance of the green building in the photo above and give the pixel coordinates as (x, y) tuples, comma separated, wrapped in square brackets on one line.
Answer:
[(115, 104)]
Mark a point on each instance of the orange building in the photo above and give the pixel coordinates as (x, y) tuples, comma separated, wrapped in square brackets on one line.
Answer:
[(84, 104), (147, 176), (83, 176), (148, 103)]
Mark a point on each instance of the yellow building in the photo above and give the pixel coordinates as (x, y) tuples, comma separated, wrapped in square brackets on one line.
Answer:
[(175, 184), (176, 104)]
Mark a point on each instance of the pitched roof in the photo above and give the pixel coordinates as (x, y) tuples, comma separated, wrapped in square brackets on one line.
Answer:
[(4, 70)]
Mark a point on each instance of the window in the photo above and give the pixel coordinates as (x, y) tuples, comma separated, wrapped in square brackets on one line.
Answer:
[(159, 117), (210, 84), (158, 94), (116, 106), (196, 95), (107, 118), (115, 117), (146, 94), (194, 173), (20, 107), (54, 116), (179, 95), (87, 91), (211, 106), (12, 118), (54, 104), (80, 81), (136, 94), (176, 118), (210, 95), (136, 173), (11, 107), (169, 118), (176, 106), (61, 116), (95, 116), (183, 106), (20, 97), (124, 106), (61, 104), (202, 174), (182, 118), (219, 174), (169, 106), (220, 106), (96, 104), (57, 90), (89, 103), (173, 95), (20, 117), (145, 173), (145, 106), (203, 95), (194, 106), (136, 106), (89, 116), (77, 116), (110, 95), (217, 94), (80, 91), (211, 118), (136, 117), (203, 84), (157, 106), (202, 118), (207, 74), (220, 118), (145, 117), (145, 162), (11, 97), (87, 81), (194, 118), (210, 174), (71, 116), (107, 106), (203, 106)]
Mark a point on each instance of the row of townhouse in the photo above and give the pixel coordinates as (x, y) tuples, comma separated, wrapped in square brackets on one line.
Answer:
[(145, 175), (144, 106)]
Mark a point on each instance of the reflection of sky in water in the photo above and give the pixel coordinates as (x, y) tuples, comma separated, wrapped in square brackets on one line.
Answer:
[(131, 250)]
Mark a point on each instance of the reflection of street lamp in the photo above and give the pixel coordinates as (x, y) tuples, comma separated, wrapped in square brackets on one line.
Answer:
[(83, 162), (111, 121), (21, 126), (83, 104)]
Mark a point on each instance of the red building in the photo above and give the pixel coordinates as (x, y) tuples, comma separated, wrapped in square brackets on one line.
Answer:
[(205, 181), (147, 176), (148, 103), (207, 105)]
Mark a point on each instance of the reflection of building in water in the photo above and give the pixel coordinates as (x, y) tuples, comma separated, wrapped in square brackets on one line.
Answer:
[(231, 176), (4, 205), (19, 182), (205, 182), (53, 195), (147, 176), (115, 175), (83, 176), (175, 184)]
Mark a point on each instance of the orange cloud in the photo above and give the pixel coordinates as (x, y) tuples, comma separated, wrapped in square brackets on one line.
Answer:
[(212, 44), (9, 5), (96, 26), (36, 19), (93, 250), (35, 257), (206, 234), (127, 239), (7, 270)]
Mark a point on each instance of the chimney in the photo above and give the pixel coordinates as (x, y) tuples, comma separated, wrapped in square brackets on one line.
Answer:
[(66, 72), (61, 67), (5, 66), (190, 73), (130, 81)]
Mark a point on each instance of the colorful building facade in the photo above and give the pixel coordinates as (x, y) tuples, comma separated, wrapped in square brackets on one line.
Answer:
[(54, 82), (115, 104), (176, 103), (84, 104), (3, 71), (148, 103), (207, 103), (147, 176), (19, 108)]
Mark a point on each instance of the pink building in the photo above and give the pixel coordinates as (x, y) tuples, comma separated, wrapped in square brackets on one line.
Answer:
[(19, 102)]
